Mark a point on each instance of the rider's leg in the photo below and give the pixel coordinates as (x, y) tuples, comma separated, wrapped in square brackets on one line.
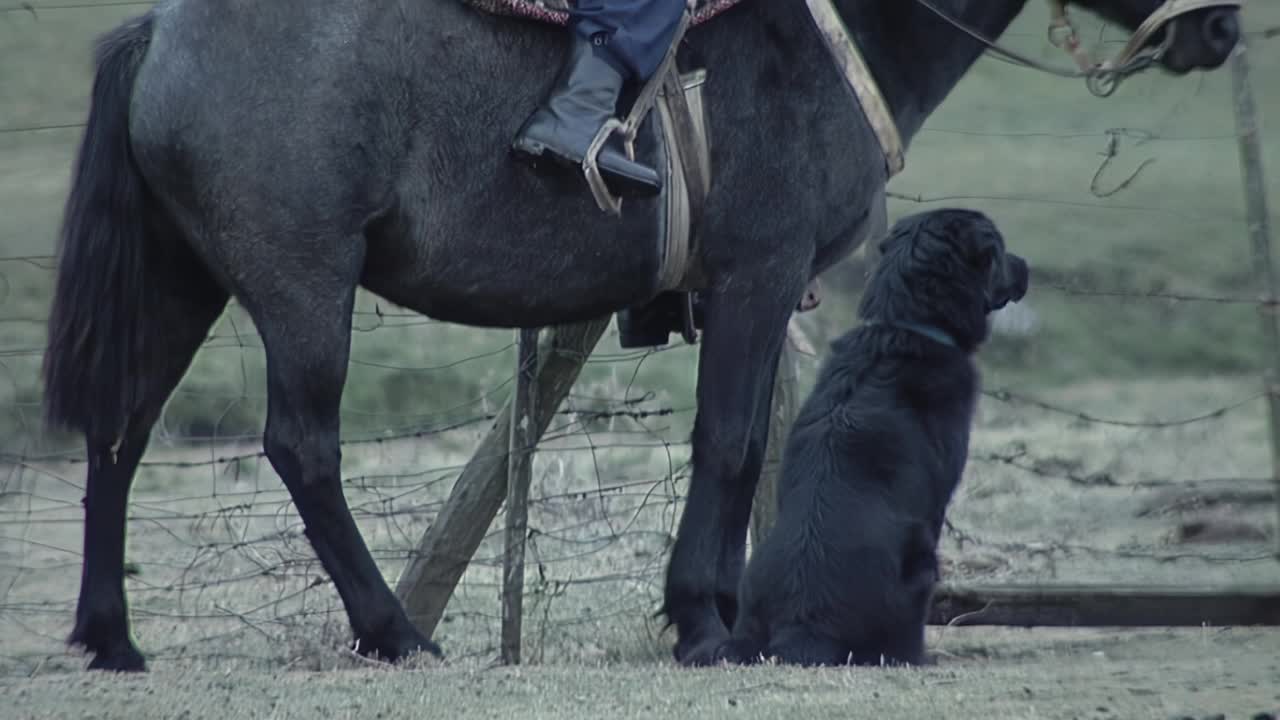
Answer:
[(613, 42), (640, 31)]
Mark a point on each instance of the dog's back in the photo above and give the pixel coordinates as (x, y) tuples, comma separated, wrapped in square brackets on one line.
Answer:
[(871, 462)]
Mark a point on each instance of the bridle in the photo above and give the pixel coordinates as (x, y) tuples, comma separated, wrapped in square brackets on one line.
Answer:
[(1102, 78)]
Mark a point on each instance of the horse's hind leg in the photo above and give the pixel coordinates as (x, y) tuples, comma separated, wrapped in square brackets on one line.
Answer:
[(305, 324), (183, 319)]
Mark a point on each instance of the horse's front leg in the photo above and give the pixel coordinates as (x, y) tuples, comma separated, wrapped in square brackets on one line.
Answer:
[(745, 326)]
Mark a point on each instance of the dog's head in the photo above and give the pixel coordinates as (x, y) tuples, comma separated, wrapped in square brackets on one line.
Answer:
[(944, 269)]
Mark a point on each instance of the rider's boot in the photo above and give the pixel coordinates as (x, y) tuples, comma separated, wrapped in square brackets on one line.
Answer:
[(585, 96)]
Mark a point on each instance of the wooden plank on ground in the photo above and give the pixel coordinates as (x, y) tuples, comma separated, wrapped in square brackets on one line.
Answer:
[(764, 508), (1106, 605)]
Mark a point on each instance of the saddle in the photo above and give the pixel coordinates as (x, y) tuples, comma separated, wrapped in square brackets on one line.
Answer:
[(684, 133)]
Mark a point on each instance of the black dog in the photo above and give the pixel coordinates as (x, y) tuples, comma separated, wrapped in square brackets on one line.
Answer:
[(847, 574)]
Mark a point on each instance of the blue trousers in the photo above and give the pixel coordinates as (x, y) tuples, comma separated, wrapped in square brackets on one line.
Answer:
[(639, 31)]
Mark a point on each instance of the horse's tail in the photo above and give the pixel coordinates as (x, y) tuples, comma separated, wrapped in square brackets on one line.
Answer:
[(98, 340)]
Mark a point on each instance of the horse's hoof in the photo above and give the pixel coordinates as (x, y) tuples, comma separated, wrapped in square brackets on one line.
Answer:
[(428, 647), (104, 635), (394, 650), (126, 659)]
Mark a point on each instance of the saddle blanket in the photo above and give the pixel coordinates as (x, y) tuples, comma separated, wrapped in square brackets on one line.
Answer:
[(557, 11)]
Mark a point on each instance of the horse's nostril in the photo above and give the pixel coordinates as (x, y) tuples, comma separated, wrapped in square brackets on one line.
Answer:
[(1221, 30)]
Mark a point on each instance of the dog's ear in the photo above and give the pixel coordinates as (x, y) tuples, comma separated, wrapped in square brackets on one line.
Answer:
[(888, 241), (903, 231), (986, 256)]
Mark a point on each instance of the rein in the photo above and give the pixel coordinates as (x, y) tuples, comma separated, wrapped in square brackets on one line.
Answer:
[(1102, 78)]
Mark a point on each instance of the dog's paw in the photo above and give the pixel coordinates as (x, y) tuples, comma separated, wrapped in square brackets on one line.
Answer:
[(732, 651), (707, 654)]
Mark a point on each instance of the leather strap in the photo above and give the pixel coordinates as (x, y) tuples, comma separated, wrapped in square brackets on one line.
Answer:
[(688, 177), (845, 51)]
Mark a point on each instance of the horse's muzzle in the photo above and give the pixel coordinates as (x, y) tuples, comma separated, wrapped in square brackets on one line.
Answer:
[(1220, 30), (1202, 39)]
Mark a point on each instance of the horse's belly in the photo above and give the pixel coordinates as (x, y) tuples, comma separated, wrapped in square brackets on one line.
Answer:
[(522, 289)]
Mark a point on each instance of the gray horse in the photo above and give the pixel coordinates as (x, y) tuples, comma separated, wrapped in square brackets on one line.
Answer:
[(286, 152)]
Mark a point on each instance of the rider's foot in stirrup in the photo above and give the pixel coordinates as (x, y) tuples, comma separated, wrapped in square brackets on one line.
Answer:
[(561, 130)]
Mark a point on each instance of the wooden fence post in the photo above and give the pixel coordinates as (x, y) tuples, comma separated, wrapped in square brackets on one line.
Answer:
[(1249, 132), (519, 476), (764, 507), (446, 548)]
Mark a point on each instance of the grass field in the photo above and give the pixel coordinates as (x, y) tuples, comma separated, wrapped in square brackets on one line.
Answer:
[(1130, 446), (237, 619), (1015, 676)]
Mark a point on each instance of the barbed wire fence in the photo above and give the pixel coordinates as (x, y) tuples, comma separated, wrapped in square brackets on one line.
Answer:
[(1160, 481)]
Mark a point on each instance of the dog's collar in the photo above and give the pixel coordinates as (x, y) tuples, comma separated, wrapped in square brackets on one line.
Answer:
[(928, 331)]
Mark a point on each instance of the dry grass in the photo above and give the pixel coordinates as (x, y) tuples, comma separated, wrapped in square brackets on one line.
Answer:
[(235, 614), (1008, 676)]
